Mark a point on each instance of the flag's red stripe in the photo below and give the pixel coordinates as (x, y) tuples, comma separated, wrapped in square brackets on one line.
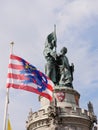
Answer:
[(14, 57), (16, 76), (49, 87), (14, 66), (30, 89)]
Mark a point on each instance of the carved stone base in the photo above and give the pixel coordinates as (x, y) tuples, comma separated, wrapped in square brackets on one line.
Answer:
[(65, 97), (63, 113)]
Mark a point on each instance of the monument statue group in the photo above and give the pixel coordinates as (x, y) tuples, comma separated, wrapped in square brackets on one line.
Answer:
[(57, 67)]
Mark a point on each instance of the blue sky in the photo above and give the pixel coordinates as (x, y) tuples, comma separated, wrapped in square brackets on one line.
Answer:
[(27, 23)]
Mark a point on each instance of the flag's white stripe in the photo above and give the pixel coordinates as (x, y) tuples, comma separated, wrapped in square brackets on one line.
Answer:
[(18, 72), (19, 82), (15, 62), (14, 71)]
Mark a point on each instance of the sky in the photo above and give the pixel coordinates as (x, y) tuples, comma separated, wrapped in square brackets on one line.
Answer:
[(27, 23)]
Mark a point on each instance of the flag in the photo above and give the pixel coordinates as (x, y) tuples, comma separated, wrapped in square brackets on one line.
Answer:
[(52, 37), (23, 75), (9, 125)]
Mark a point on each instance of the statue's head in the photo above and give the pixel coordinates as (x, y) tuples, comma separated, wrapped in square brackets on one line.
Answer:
[(63, 50)]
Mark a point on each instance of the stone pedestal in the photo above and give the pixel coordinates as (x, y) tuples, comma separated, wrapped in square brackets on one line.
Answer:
[(64, 96), (64, 113)]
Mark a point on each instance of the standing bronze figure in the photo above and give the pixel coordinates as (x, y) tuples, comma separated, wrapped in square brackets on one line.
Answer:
[(57, 67)]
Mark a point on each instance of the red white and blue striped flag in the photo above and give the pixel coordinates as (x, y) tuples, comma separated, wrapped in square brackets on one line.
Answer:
[(23, 75)]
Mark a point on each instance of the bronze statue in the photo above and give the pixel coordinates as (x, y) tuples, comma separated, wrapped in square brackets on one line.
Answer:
[(57, 67), (50, 56), (65, 70)]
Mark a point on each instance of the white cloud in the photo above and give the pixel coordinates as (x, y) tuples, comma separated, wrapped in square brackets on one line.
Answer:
[(79, 14)]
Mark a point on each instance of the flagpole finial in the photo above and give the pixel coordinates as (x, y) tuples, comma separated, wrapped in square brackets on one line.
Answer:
[(54, 27), (12, 44)]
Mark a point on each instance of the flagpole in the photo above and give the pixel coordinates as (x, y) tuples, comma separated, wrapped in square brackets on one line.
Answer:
[(7, 99), (6, 108), (12, 44), (55, 36)]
